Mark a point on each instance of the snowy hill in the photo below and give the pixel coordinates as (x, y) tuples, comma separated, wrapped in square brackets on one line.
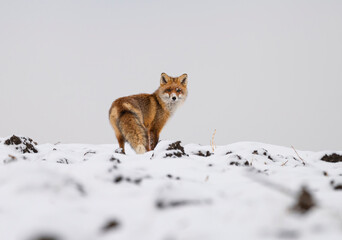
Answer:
[(240, 191)]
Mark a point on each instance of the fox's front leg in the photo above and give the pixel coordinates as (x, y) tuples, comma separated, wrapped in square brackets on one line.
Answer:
[(153, 139)]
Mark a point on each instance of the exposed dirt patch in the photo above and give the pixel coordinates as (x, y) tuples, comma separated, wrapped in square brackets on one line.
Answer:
[(14, 140), (238, 161), (114, 159), (110, 225), (179, 150), (333, 158), (46, 237), (205, 154), (336, 186), (172, 177), (165, 204), (246, 163), (176, 146), (22, 144), (63, 161), (118, 179), (260, 152), (304, 202), (263, 152)]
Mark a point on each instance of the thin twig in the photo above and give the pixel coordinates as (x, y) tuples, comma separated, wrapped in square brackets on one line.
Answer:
[(284, 163), (207, 178), (12, 157), (212, 144), (298, 155)]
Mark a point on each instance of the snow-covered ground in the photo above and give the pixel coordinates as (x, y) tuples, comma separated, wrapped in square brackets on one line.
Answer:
[(240, 191)]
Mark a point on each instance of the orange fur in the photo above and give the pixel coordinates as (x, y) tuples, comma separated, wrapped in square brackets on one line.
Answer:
[(139, 119)]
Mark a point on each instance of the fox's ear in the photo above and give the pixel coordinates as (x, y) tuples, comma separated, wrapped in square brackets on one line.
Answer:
[(184, 79), (164, 78)]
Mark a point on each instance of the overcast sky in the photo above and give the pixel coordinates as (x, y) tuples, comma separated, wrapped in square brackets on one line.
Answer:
[(266, 71)]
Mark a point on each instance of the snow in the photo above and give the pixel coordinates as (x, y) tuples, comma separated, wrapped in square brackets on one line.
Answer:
[(243, 190)]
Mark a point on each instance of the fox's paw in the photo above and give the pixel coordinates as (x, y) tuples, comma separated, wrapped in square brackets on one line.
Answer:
[(140, 149), (120, 150)]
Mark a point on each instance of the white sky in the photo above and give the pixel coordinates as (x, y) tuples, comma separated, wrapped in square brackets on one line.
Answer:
[(267, 71)]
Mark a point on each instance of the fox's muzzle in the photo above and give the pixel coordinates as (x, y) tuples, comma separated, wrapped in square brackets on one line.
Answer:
[(173, 97)]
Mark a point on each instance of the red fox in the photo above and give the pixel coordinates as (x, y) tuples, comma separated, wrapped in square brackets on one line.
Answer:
[(139, 119)]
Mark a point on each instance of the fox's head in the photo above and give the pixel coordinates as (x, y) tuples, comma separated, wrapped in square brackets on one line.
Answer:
[(173, 90)]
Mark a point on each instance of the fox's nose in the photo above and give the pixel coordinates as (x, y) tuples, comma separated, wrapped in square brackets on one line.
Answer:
[(174, 98)]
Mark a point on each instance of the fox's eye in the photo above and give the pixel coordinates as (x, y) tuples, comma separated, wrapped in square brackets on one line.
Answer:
[(168, 90), (178, 90)]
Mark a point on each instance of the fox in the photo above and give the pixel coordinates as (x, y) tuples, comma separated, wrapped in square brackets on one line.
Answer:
[(139, 119)]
